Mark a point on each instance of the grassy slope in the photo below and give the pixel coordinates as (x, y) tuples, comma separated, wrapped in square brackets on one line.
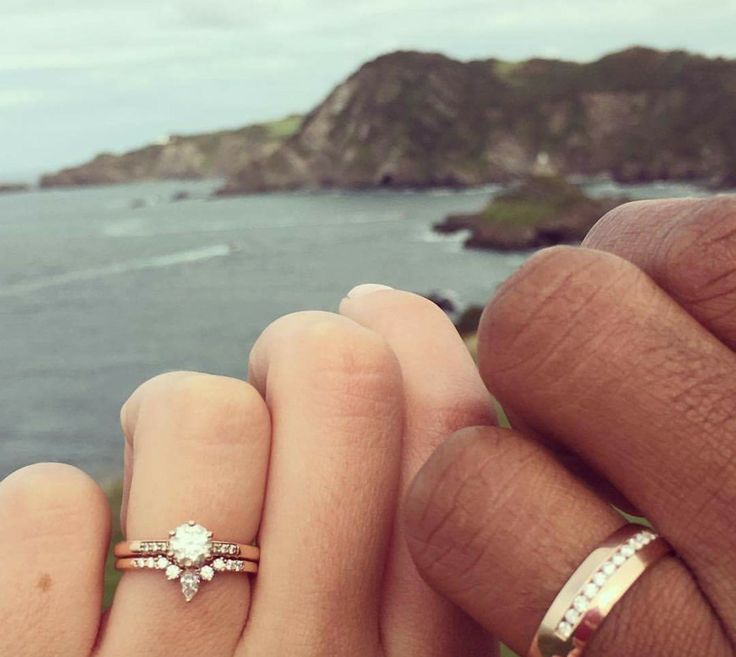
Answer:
[(539, 197)]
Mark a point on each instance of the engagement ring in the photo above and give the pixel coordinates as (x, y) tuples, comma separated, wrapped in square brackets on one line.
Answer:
[(188, 555)]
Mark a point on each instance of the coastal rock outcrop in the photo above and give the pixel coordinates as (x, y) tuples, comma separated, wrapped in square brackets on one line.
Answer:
[(538, 211)]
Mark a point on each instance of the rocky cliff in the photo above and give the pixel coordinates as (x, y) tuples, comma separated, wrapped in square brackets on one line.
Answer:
[(412, 119), (209, 155)]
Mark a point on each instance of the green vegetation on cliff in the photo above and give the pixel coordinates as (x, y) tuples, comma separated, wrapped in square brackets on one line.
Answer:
[(538, 211), (537, 199), (207, 155)]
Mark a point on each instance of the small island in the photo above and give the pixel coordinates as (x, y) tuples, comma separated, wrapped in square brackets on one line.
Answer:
[(11, 188), (537, 211)]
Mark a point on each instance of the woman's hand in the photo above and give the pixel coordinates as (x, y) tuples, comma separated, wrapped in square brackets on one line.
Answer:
[(626, 362), (312, 458)]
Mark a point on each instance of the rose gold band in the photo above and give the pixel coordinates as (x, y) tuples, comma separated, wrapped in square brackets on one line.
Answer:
[(594, 589), (155, 548), (161, 563)]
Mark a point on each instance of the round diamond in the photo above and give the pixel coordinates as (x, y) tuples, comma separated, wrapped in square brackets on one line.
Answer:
[(173, 571), (206, 573), (590, 590), (162, 563), (150, 562), (219, 564), (580, 603), (627, 551), (564, 629), (608, 568), (190, 544), (599, 579), (619, 559), (572, 615)]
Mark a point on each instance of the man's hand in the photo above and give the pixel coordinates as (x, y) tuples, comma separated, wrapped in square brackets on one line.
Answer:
[(619, 354)]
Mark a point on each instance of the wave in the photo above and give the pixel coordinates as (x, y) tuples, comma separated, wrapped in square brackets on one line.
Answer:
[(138, 264)]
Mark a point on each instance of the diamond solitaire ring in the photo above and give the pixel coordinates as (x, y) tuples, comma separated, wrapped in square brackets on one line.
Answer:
[(189, 555)]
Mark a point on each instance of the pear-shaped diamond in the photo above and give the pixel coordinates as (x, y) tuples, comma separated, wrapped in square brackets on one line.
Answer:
[(189, 585)]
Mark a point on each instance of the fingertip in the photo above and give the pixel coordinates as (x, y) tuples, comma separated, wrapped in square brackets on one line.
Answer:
[(365, 289)]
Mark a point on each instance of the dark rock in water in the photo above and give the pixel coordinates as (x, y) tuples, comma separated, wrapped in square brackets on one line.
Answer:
[(446, 300), (535, 212), (11, 188), (182, 195), (468, 320)]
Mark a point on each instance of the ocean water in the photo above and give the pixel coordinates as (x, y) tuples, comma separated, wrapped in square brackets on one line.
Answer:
[(102, 288)]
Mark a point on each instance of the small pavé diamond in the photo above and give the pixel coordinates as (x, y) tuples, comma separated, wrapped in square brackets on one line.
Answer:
[(219, 564), (599, 579), (581, 603), (173, 571), (564, 629), (590, 590), (627, 551), (206, 573), (608, 568), (572, 616), (162, 563), (619, 559)]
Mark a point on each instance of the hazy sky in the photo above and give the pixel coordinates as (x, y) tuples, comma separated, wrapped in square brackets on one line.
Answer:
[(80, 76)]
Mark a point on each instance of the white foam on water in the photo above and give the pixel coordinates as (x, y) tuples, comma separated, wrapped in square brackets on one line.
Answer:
[(138, 264)]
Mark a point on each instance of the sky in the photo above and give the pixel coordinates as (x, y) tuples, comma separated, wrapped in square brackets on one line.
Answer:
[(82, 76)]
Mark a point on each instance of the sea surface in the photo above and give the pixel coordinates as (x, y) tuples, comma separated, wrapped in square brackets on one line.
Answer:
[(102, 288)]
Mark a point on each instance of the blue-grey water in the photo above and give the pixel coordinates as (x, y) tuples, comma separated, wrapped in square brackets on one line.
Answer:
[(102, 288)]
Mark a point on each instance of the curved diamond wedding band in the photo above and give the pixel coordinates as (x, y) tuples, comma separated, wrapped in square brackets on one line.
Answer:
[(594, 588), (188, 555)]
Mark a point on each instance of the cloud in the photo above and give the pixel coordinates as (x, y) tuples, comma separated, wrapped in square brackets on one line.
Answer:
[(12, 98)]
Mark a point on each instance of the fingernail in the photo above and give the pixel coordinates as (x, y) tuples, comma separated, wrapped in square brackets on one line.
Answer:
[(366, 288)]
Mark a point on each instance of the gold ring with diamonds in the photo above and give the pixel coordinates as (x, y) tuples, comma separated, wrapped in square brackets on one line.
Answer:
[(188, 555), (593, 590)]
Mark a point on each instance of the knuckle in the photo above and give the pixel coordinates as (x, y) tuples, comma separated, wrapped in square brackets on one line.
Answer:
[(561, 297), (699, 255), (342, 359), (621, 225), (51, 500), (466, 487), (214, 408)]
